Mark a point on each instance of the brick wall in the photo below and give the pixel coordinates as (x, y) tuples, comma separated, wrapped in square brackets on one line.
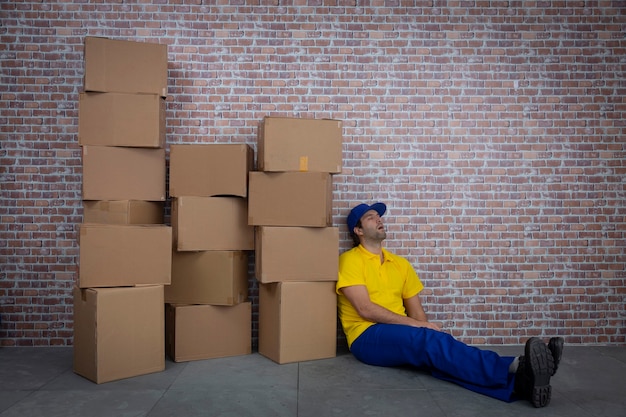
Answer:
[(493, 130)]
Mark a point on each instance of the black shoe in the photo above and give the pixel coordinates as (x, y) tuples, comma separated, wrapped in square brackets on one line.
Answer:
[(532, 380), (555, 345)]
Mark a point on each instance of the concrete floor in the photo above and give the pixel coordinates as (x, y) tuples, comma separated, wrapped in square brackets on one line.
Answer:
[(591, 381)]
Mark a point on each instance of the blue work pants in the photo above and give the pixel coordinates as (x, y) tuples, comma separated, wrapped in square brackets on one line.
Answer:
[(439, 353)]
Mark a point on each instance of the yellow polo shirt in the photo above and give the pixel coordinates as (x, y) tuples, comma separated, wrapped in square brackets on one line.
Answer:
[(388, 284)]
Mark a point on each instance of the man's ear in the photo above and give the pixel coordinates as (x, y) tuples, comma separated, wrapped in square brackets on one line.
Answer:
[(357, 231)]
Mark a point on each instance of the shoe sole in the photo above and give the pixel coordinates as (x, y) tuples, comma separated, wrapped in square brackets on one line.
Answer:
[(556, 348), (542, 365)]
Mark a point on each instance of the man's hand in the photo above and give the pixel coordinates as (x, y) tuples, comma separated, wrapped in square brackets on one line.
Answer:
[(426, 324)]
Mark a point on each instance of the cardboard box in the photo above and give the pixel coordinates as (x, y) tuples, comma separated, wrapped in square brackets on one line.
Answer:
[(208, 277), (123, 212), (118, 332), (290, 199), (116, 173), (211, 223), (194, 332), (297, 321), (279, 255), (210, 170), (119, 66), (113, 255), (114, 119), (291, 144)]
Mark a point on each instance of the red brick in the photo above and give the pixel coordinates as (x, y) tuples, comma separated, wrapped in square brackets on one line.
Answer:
[(500, 152)]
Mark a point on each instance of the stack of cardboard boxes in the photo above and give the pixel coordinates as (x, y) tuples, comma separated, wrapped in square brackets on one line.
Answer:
[(125, 249), (208, 314), (146, 289), (296, 247)]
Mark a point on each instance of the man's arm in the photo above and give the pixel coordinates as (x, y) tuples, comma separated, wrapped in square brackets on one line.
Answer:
[(414, 309), (360, 300)]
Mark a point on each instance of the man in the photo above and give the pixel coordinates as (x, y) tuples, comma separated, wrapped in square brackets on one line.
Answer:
[(385, 324)]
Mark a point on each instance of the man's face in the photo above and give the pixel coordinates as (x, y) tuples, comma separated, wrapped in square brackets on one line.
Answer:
[(372, 226)]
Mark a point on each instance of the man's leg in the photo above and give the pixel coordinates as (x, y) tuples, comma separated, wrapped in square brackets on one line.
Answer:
[(446, 358)]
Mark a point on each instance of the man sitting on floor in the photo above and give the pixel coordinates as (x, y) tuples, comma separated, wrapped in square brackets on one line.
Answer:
[(385, 323)]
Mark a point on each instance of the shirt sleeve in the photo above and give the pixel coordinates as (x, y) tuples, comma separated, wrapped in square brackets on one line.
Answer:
[(413, 285), (350, 271)]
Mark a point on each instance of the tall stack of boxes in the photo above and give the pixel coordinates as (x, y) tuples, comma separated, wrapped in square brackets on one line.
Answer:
[(208, 314), (125, 249), (296, 247)]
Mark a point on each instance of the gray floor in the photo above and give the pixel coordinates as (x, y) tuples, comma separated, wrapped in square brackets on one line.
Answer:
[(39, 382)]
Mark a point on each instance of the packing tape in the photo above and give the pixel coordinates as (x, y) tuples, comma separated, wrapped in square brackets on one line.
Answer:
[(304, 163)]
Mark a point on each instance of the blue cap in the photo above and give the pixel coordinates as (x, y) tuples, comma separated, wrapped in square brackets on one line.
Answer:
[(358, 212)]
